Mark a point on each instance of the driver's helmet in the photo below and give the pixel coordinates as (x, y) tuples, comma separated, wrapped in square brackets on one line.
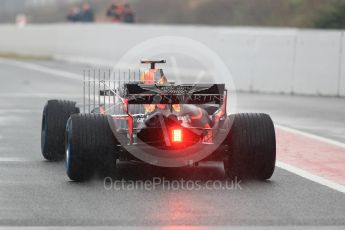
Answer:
[(152, 76)]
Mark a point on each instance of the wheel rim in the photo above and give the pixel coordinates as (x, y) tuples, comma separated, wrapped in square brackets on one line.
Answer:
[(68, 149), (44, 133), (68, 146)]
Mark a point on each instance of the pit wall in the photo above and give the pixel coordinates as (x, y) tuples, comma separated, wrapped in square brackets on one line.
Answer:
[(292, 61)]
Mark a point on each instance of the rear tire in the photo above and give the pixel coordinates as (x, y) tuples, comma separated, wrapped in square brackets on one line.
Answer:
[(252, 147), (55, 116), (90, 144)]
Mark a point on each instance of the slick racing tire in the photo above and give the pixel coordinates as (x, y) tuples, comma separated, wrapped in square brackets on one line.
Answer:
[(90, 145), (252, 147), (54, 118)]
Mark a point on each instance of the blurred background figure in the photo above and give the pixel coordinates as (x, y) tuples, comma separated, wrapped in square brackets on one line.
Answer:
[(113, 13), (128, 15), (86, 15), (73, 14), (120, 13)]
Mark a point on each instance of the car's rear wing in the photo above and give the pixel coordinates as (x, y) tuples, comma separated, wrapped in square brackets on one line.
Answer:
[(136, 93), (113, 90)]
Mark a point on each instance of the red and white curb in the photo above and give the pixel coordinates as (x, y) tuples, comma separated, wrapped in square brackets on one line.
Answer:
[(315, 158)]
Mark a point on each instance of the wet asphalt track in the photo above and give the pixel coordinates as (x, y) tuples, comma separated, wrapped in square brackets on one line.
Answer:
[(34, 192)]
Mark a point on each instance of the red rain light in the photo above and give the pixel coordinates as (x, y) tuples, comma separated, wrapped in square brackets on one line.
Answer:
[(177, 135)]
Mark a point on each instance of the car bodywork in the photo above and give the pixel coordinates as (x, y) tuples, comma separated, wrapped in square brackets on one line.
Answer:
[(192, 121)]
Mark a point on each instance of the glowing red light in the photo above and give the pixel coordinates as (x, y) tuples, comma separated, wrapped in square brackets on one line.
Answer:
[(177, 135)]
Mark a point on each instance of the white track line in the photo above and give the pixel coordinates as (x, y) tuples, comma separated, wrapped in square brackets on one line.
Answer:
[(14, 159), (310, 176), (39, 68)]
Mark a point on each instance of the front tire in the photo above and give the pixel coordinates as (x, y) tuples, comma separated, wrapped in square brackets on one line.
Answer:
[(90, 144), (54, 118), (252, 147)]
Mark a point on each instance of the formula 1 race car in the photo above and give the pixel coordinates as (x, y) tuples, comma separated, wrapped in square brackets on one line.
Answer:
[(156, 122)]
